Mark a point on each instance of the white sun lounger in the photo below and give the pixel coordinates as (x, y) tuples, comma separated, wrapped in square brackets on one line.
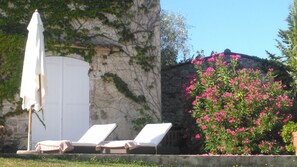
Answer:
[(93, 136), (150, 136)]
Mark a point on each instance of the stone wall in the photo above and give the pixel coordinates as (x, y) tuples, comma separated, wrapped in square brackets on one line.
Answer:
[(15, 129), (173, 79), (107, 103)]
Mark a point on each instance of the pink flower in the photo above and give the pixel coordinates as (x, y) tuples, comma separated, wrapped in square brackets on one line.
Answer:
[(198, 97), (190, 88), (218, 119), (198, 120), (257, 123), (278, 104), (262, 113), (246, 141), (216, 114), (203, 82), (215, 101), (241, 129), (210, 69), (208, 90), (211, 59), (220, 85), (198, 62), (233, 133), (285, 120), (221, 148), (203, 127), (197, 136), (232, 81), (204, 95), (232, 120), (207, 119), (221, 55), (250, 87), (241, 85), (227, 94), (194, 103), (235, 57), (222, 112), (193, 81)]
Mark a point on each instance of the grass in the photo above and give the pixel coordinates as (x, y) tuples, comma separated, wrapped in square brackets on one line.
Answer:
[(55, 162)]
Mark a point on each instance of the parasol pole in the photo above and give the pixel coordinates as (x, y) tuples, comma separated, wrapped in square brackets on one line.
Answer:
[(30, 115), (29, 129), (39, 89)]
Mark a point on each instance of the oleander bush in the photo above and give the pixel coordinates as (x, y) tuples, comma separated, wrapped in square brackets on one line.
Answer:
[(238, 111)]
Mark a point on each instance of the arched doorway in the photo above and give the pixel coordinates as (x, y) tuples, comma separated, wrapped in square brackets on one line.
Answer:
[(66, 108)]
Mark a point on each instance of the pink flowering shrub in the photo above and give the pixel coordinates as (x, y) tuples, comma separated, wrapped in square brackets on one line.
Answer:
[(237, 111)]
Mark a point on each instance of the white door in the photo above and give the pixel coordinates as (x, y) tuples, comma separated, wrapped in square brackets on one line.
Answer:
[(66, 108)]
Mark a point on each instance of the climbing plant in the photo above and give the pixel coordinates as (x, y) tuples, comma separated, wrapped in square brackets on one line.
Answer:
[(11, 61), (122, 87), (146, 113)]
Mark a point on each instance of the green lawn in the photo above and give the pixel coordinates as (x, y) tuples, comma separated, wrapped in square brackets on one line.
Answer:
[(53, 162)]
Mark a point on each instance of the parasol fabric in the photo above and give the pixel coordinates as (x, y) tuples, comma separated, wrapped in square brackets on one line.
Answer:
[(33, 85)]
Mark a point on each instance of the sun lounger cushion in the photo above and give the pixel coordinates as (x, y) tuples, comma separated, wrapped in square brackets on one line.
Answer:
[(60, 146), (96, 134), (150, 136), (93, 136)]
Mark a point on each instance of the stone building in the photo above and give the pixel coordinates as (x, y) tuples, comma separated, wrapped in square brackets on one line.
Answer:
[(122, 89)]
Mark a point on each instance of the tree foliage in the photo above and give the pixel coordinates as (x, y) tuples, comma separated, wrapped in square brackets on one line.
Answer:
[(174, 38), (287, 44)]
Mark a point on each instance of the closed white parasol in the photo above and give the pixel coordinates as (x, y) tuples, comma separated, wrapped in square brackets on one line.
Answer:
[(33, 85)]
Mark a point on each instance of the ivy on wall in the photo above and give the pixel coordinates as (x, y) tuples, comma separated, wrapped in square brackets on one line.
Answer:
[(144, 118), (122, 87), (141, 58), (11, 62)]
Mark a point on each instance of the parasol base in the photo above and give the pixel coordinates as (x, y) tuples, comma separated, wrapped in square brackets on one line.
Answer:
[(28, 152)]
